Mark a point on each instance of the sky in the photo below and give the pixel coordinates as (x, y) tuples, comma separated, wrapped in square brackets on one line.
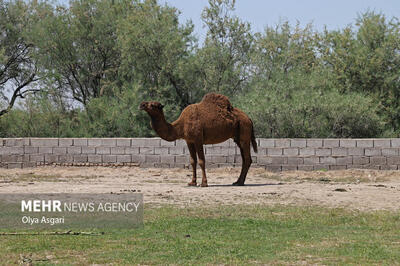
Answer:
[(335, 14)]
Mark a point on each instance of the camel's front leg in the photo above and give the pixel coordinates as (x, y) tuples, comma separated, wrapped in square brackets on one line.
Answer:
[(202, 163), (193, 162)]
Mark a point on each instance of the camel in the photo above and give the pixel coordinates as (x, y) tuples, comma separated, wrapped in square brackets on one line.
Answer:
[(212, 121)]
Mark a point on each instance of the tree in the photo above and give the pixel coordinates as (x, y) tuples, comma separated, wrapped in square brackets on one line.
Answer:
[(18, 70), (367, 60), (156, 50), (77, 48), (225, 57)]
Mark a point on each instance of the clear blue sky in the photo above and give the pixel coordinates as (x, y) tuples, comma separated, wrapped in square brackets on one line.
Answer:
[(260, 13)]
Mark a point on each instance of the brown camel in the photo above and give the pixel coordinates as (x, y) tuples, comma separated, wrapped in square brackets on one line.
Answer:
[(211, 121)]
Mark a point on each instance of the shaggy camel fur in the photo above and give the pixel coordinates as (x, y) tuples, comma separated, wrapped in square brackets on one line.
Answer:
[(211, 121)]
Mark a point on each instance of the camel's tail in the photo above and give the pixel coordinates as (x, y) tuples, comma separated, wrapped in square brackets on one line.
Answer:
[(253, 138)]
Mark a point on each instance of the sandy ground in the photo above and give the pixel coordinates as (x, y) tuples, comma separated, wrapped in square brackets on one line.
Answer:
[(354, 189)]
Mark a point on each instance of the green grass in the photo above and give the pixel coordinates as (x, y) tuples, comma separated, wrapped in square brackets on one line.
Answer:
[(225, 235)]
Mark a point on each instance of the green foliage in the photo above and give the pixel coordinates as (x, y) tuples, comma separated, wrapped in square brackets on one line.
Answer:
[(96, 60), (17, 67), (310, 114), (224, 58)]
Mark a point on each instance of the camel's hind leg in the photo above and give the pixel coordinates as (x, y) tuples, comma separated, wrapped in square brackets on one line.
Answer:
[(202, 163), (246, 162), (193, 162)]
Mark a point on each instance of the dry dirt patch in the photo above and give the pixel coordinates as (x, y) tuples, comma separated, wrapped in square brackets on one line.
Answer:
[(354, 189)]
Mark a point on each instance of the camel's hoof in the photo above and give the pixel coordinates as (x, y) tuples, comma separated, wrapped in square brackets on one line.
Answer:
[(192, 184), (238, 184), (204, 184)]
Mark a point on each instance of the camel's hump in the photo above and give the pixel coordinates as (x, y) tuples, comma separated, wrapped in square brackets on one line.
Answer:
[(218, 99)]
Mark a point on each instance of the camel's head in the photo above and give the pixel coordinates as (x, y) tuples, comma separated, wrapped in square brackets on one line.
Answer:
[(151, 107)]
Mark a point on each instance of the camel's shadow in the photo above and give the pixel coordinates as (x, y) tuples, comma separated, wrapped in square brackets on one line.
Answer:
[(248, 185)]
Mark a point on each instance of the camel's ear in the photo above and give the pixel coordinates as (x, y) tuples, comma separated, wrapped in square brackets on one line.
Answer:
[(160, 106)]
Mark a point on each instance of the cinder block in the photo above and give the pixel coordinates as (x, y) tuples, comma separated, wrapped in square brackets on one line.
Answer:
[(80, 158), (59, 150), (327, 160), (377, 160), (390, 152), (356, 151), (30, 150), (382, 143), (219, 159), (307, 151), (94, 159), (365, 143), (162, 165), (102, 150), (44, 142), (80, 142), (273, 168), (395, 143), (94, 142), (311, 160), (124, 142), (74, 150), (289, 167), (109, 158), (51, 158), (117, 150), (295, 160), (291, 151), (146, 150), (11, 150), (180, 143), (14, 165), (164, 143), (298, 143), (36, 158), (68, 158), (360, 160), (373, 152), (176, 150), (123, 158), (167, 159), (344, 160), (28, 164), (108, 142), (225, 143), (213, 150), (274, 160), (267, 143), (389, 167), (88, 150), (46, 150), (337, 167), (182, 159), (131, 150), (348, 143), (331, 143), (65, 142), (305, 167), (13, 142), (152, 158), (146, 142), (161, 150), (321, 167), (323, 152), (316, 143), (282, 143), (339, 151), (274, 151)]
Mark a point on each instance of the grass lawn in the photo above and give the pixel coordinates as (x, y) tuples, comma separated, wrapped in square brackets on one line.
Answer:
[(225, 235)]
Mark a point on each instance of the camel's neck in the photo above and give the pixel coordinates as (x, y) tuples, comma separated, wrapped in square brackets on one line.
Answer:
[(165, 130)]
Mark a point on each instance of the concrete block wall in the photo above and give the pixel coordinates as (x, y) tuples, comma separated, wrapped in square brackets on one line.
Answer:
[(273, 154)]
